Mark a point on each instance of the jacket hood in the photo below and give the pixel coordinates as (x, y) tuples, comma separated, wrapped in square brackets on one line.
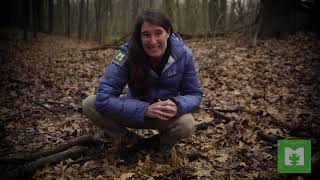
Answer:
[(177, 46)]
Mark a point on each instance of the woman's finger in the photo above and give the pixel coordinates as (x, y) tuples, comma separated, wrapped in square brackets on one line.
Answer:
[(168, 115), (171, 103), (165, 115)]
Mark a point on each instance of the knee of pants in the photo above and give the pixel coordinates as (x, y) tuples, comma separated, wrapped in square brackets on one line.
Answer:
[(184, 125), (88, 104)]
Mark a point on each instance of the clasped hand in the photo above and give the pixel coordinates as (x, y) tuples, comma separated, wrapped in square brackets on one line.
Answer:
[(163, 110)]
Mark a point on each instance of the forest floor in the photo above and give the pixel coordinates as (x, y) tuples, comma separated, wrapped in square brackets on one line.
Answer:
[(277, 83)]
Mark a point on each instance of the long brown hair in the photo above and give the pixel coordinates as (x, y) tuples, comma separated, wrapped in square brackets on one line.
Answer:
[(139, 62)]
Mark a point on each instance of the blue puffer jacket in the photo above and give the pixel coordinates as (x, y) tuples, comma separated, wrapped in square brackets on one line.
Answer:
[(179, 81)]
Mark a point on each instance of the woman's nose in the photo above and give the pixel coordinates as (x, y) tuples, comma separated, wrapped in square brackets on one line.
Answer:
[(153, 40)]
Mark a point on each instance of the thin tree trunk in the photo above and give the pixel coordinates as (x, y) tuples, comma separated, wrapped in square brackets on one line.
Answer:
[(231, 16), (68, 16), (179, 27), (106, 20), (170, 9), (316, 16), (41, 16), (13, 17), (27, 17), (223, 12), (81, 20), (276, 18), (98, 16), (50, 17), (213, 14), (36, 17), (87, 19)]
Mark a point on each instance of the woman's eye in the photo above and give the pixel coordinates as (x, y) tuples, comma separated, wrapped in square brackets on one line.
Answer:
[(146, 35)]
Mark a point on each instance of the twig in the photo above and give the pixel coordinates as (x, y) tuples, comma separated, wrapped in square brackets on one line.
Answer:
[(203, 126), (237, 109), (107, 46), (60, 103), (195, 156), (279, 123), (222, 116), (228, 110), (12, 80), (144, 143), (46, 108), (268, 137), (80, 141), (113, 45), (18, 112), (27, 170), (210, 34), (218, 113)]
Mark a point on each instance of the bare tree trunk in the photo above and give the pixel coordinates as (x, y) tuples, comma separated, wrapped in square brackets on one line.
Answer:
[(36, 17), (178, 13), (68, 16), (13, 17), (81, 20), (231, 16), (108, 22), (87, 19), (213, 14), (191, 16), (27, 4), (50, 17), (98, 25), (135, 7), (204, 11), (316, 16), (41, 16), (25, 21), (223, 12), (169, 6), (276, 18)]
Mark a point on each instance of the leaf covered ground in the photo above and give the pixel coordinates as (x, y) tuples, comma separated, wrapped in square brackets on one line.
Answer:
[(277, 83)]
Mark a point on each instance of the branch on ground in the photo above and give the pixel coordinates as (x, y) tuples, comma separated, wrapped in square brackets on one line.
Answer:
[(113, 45), (27, 170), (219, 114), (44, 107), (80, 141), (70, 149), (268, 137)]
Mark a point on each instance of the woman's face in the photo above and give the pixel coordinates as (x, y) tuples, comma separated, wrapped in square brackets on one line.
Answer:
[(154, 40)]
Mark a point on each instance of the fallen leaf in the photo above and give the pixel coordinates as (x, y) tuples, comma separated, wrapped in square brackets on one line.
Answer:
[(223, 158), (126, 176)]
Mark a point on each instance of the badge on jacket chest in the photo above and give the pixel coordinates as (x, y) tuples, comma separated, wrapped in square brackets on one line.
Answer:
[(171, 73), (119, 58)]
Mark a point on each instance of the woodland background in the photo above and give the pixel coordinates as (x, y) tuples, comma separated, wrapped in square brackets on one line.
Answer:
[(259, 68)]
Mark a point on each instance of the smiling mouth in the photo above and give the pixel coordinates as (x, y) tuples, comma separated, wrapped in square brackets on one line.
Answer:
[(154, 47)]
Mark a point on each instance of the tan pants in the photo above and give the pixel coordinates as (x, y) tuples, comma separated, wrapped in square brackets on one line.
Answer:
[(170, 131)]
